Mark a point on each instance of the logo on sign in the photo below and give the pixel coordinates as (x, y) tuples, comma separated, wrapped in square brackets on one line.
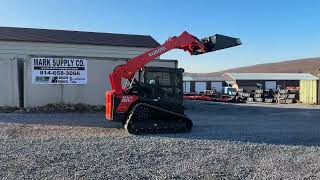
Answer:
[(42, 79)]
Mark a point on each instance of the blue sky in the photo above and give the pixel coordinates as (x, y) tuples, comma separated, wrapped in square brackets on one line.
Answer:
[(270, 30)]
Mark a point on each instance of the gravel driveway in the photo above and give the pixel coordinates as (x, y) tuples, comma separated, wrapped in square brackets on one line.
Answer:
[(226, 143)]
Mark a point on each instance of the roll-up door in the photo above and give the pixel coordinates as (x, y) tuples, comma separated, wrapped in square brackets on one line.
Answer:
[(200, 86)]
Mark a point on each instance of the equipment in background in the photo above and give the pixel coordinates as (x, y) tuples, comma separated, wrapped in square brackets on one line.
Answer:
[(285, 96), (243, 94), (229, 90), (258, 95), (231, 95), (210, 92), (235, 85), (151, 101), (281, 96), (268, 96)]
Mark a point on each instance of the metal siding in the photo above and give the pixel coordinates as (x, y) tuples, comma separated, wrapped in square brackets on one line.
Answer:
[(160, 63), (200, 86), (217, 86), (91, 93), (22, 49), (204, 78), (192, 86), (302, 91), (271, 85), (285, 83), (271, 76), (208, 85), (101, 61), (318, 90), (9, 88), (308, 91), (249, 85), (186, 86), (224, 84)]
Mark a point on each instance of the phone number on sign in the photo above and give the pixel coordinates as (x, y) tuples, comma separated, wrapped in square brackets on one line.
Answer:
[(57, 73)]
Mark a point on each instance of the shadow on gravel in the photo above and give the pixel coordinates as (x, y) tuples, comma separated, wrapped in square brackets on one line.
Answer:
[(60, 119), (251, 123)]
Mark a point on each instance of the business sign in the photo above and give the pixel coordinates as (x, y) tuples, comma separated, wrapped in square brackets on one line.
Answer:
[(59, 71)]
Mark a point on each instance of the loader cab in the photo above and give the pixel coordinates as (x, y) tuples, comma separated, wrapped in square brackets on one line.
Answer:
[(161, 85), (164, 83)]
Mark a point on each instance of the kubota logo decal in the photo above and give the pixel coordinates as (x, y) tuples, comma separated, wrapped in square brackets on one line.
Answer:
[(157, 51), (127, 99)]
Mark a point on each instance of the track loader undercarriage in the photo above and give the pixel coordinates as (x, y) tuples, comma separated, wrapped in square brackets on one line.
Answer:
[(145, 118)]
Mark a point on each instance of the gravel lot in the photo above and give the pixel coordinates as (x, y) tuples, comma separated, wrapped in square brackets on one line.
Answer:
[(228, 142)]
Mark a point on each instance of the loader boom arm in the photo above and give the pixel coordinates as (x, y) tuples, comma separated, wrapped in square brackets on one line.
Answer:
[(185, 41)]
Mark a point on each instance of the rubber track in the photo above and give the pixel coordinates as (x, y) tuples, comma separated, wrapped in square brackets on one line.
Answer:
[(148, 119)]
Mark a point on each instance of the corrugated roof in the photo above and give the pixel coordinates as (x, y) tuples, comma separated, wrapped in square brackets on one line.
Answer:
[(270, 76), (203, 78), (75, 37)]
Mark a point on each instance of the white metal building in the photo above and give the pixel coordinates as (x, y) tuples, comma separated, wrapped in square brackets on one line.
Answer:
[(268, 80), (201, 83), (307, 83), (101, 51)]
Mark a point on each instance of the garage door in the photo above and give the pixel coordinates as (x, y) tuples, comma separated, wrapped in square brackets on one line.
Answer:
[(186, 87), (271, 85), (217, 86), (200, 86)]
